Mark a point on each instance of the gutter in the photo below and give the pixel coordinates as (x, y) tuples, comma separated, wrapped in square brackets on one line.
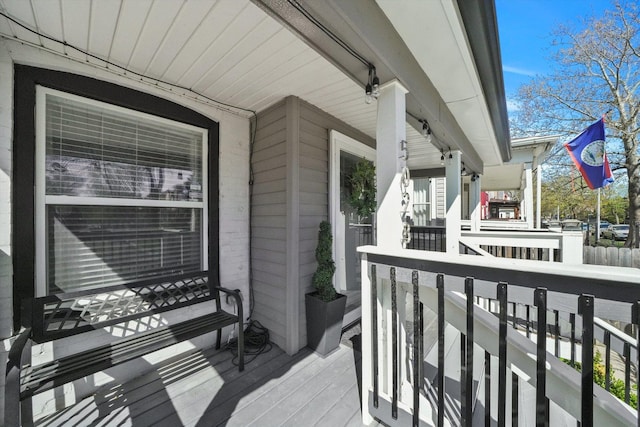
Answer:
[(480, 21)]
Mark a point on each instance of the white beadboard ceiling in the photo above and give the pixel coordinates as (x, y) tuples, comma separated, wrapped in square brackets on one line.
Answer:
[(227, 50)]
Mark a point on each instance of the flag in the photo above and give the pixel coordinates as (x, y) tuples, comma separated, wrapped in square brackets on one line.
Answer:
[(587, 152)]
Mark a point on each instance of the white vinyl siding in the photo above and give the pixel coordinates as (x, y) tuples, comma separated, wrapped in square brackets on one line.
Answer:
[(120, 195)]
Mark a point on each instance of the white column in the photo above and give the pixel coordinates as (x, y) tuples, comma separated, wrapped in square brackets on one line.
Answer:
[(390, 130), (538, 197), (572, 245), (454, 203), (367, 340), (475, 204), (528, 195)]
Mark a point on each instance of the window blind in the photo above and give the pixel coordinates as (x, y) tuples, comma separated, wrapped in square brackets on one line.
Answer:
[(134, 187)]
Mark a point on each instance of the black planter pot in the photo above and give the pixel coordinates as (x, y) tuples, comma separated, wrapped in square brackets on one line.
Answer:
[(324, 322)]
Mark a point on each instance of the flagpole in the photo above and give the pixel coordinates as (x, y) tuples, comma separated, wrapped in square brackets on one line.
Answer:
[(598, 217)]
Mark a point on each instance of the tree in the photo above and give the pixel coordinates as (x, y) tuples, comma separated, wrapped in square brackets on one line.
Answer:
[(564, 194), (597, 72)]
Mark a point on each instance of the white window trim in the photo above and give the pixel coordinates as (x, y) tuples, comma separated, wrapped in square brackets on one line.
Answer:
[(426, 204), (41, 199), (340, 142)]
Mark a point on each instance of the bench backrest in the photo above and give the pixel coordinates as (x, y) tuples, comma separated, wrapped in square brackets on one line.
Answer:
[(66, 314)]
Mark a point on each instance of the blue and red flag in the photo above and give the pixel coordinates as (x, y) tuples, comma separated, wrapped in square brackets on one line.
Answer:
[(588, 154)]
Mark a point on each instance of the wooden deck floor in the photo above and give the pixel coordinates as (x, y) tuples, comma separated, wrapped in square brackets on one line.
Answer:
[(205, 389)]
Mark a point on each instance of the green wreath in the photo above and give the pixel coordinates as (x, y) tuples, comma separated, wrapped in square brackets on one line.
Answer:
[(362, 183)]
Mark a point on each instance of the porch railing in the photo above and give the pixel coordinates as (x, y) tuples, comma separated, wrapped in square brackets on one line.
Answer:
[(453, 340), (432, 238), (539, 245)]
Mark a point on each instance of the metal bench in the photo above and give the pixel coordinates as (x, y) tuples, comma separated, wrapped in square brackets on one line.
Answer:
[(62, 315)]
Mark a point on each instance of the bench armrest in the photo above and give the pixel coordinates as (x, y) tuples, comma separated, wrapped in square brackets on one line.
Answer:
[(12, 387), (238, 299), (236, 296)]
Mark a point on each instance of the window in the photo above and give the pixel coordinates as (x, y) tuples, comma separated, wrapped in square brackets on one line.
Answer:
[(120, 195), (421, 202)]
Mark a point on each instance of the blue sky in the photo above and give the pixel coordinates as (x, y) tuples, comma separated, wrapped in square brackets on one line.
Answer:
[(525, 28)]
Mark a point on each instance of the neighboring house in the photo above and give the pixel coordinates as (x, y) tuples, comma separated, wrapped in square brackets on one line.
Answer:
[(218, 134), (510, 185), (514, 184)]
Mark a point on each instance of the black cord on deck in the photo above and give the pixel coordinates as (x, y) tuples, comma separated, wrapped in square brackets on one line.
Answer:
[(256, 342)]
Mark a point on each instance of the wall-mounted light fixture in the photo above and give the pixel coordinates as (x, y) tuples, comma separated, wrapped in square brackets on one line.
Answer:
[(372, 89)]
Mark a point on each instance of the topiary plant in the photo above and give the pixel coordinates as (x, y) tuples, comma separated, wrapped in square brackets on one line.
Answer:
[(323, 277)]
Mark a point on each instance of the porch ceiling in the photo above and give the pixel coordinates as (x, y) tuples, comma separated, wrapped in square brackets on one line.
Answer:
[(234, 52), (506, 177)]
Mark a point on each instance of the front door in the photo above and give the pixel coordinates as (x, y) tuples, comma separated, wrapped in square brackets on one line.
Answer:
[(349, 229)]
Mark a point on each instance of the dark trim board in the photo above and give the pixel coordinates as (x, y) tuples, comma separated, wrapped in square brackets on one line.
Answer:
[(428, 173), (23, 216)]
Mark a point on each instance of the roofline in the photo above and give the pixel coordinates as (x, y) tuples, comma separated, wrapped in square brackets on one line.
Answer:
[(480, 21), (534, 140)]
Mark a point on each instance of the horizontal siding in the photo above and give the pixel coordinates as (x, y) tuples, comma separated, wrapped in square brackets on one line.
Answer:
[(312, 220), (314, 175), (314, 188), (270, 175), (267, 256), (268, 223), (269, 245), (269, 163), (271, 284), (268, 198), (269, 208), (269, 233), (313, 164), (314, 140), (267, 129), (277, 186), (274, 209), (313, 152), (268, 267), (277, 149)]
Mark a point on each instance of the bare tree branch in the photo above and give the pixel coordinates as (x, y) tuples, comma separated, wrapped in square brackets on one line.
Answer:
[(597, 71)]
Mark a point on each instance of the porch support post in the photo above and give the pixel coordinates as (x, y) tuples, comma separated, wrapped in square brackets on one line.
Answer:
[(453, 170), (528, 195), (475, 204), (390, 130), (538, 196)]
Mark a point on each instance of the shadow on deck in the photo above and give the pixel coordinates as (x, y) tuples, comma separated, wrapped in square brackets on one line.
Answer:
[(204, 388)]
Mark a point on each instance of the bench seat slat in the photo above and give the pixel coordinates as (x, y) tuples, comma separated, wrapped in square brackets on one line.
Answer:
[(214, 320), (46, 376)]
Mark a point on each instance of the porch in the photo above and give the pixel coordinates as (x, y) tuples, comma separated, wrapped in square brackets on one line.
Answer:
[(204, 388), (485, 366), (438, 327), (277, 87)]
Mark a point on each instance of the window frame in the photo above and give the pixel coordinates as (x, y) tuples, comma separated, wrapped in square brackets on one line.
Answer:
[(426, 205), (25, 79), (42, 200)]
